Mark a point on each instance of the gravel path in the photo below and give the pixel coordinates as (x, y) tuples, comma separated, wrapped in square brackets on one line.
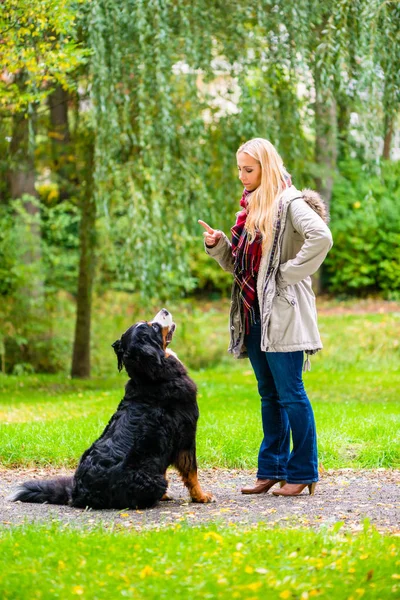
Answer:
[(345, 495)]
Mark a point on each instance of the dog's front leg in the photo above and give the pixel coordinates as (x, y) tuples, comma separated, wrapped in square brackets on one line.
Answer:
[(166, 496), (187, 467)]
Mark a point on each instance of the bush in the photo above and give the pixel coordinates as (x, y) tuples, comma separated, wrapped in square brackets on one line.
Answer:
[(365, 224), (38, 257), (208, 274)]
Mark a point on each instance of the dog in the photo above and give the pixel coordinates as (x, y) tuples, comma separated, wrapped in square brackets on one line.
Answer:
[(153, 427)]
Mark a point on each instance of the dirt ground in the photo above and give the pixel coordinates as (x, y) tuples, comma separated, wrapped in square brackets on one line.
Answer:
[(327, 306), (344, 495)]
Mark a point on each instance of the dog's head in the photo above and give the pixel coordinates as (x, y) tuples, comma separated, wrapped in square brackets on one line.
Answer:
[(143, 346)]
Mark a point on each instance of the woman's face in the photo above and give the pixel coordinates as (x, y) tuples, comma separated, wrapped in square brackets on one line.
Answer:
[(249, 171)]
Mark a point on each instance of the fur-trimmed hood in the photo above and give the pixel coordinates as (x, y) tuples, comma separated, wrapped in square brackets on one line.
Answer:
[(315, 202)]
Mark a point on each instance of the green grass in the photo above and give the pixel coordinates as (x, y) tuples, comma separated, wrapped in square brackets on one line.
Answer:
[(51, 562), (358, 418), (354, 386), (366, 342), (55, 420)]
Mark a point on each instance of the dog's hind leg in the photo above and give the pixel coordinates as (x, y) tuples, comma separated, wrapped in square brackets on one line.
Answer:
[(187, 467), (147, 488)]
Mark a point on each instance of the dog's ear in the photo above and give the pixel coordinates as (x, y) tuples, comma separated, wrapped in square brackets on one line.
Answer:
[(117, 345), (150, 352)]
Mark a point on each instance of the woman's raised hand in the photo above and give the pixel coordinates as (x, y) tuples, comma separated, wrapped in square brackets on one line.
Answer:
[(211, 236)]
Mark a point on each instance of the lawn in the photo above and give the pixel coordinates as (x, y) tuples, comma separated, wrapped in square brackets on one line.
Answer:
[(202, 562), (358, 418), (51, 419), (353, 386)]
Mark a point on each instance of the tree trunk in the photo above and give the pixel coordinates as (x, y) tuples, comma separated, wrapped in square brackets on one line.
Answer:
[(22, 169), (60, 141), (29, 315), (326, 150), (81, 352), (58, 104), (343, 124), (388, 135), (22, 183)]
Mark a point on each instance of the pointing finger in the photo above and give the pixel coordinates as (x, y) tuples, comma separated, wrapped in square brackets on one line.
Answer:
[(206, 227)]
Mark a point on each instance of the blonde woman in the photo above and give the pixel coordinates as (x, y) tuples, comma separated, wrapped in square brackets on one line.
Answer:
[(279, 240)]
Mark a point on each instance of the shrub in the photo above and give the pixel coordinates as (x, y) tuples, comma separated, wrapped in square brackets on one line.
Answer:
[(208, 274), (38, 257), (365, 224)]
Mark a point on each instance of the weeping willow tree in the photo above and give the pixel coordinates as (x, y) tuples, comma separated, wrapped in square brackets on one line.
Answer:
[(165, 141), (382, 44), (176, 87), (150, 171), (164, 149)]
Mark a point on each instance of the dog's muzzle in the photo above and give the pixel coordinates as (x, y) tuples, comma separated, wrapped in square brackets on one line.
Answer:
[(164, 318)]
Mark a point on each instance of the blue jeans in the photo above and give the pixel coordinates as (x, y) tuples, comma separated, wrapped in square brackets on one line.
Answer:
[(285, 407)]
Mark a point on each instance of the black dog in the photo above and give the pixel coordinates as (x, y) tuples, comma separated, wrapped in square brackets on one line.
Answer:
[(153, 427)]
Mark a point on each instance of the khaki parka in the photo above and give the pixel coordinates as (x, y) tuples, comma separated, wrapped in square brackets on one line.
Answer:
[(302, 240)]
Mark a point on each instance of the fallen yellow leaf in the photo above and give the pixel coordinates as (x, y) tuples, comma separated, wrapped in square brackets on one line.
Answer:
[(78, 590), (145, 572)]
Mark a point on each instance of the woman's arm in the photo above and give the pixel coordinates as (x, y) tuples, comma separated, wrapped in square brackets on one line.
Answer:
[(222, 252), (217, 245), (317, 243)]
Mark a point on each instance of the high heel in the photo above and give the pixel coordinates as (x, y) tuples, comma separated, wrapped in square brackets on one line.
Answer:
[(262, 486), (295, 489), (311, 488)]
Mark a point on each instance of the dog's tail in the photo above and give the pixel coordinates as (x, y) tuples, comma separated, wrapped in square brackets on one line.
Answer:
[(55, 491)]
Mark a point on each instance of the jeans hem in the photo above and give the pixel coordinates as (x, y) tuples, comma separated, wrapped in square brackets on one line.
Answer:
[(277, 477)]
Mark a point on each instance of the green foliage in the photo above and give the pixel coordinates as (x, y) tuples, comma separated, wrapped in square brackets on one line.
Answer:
[(172, 95), (39, 49), (383, 39), (365, 223), (208, 274), (27, 288), (57, 261), (59, 225), (172, 101)]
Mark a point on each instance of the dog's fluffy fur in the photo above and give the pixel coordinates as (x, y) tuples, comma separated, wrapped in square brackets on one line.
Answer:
[(153, 427)]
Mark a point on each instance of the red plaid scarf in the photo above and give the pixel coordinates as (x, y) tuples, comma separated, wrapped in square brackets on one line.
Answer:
[(247, 261)]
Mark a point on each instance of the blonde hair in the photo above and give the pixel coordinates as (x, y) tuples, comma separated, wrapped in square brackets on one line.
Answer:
[(262, 205)]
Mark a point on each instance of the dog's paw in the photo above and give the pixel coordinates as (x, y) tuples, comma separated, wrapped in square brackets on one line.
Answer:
[(166, 497), (204, 498), (169, 353)]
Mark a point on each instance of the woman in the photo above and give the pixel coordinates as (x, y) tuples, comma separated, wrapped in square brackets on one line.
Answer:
[(280, 238)]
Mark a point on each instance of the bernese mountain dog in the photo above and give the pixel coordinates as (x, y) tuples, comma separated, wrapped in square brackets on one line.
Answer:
[(154, 427)]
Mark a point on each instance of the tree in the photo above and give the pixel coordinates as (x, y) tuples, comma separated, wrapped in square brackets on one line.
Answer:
[(37, 55)]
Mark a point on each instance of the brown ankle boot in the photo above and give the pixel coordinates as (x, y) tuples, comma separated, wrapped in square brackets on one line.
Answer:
[(295, 489), (261, 486)]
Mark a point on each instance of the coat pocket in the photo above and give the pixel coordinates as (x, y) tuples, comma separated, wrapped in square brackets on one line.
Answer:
[(293, 320), (289, 297), (283, 321)]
